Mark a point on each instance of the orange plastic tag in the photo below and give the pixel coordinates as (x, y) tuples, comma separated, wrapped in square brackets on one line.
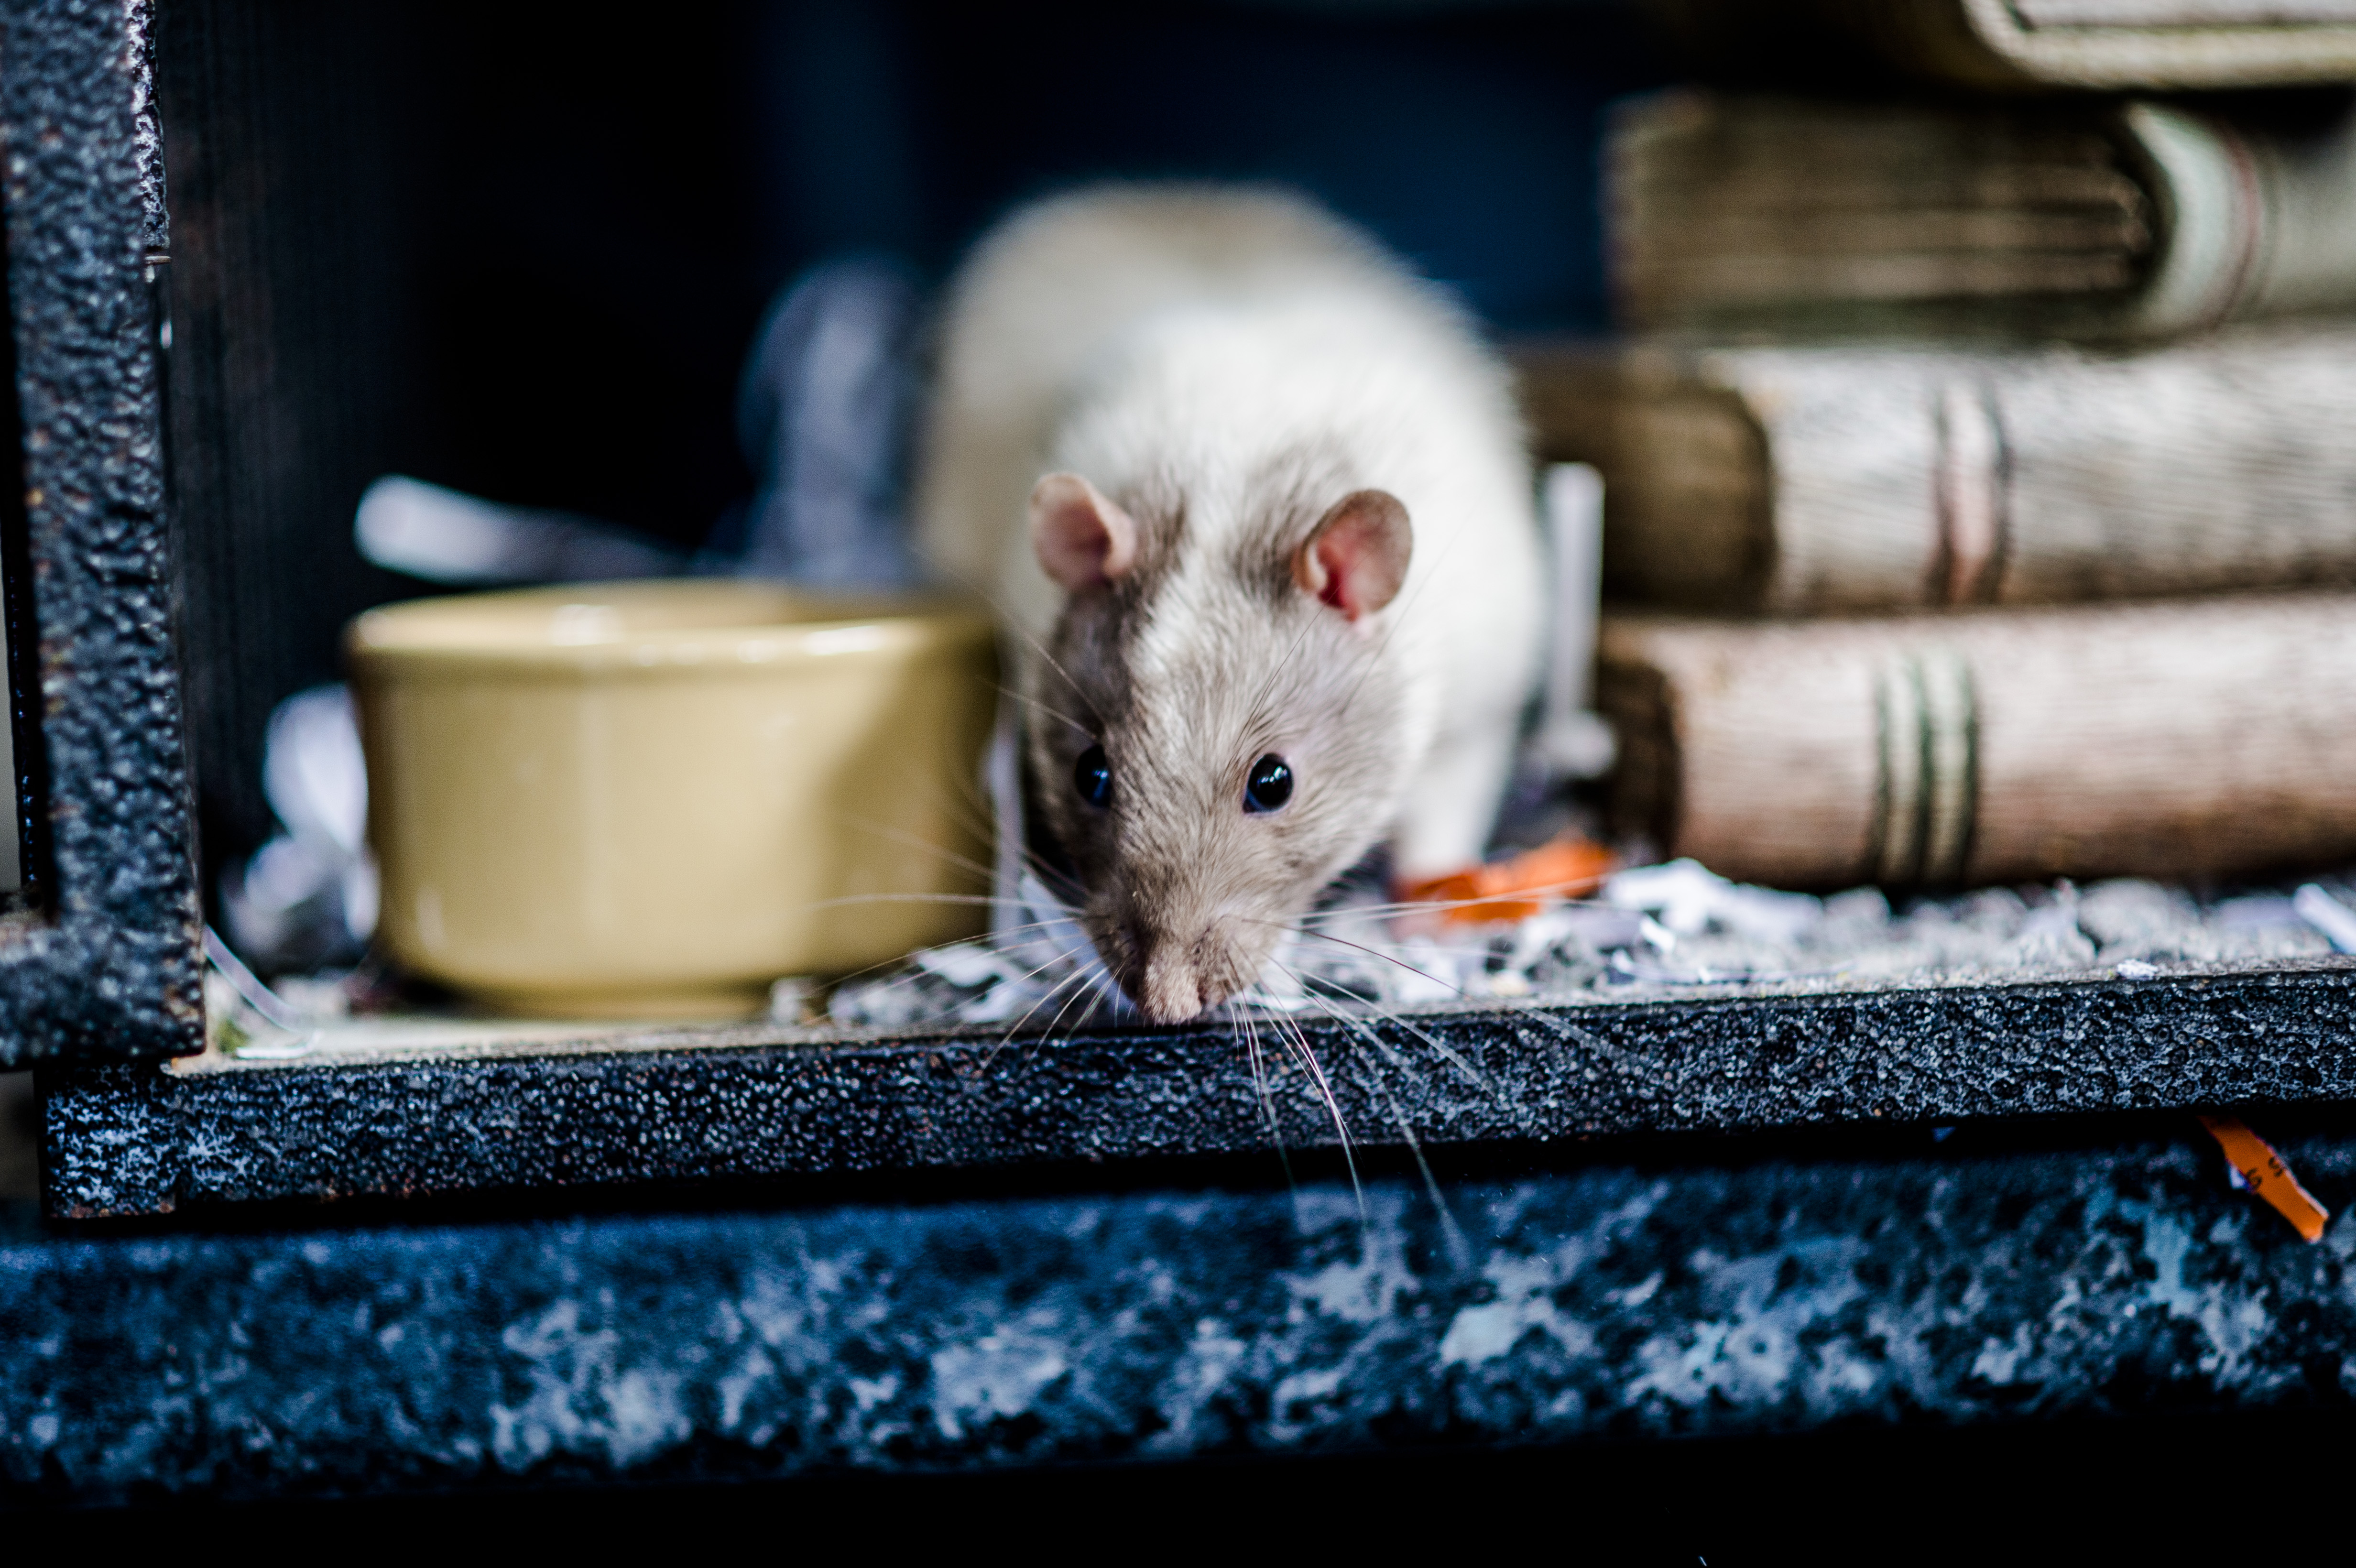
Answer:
[(1566, 868), (2267, 1176)]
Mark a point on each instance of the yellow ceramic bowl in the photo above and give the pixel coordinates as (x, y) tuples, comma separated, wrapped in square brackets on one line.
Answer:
[(651, 799)]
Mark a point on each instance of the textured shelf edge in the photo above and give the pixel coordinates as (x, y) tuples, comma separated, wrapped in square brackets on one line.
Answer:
[(1939, 1288), (144, 1140)]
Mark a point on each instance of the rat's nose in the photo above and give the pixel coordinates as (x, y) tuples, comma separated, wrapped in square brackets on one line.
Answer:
[(1170, 990), (1173, 977), (1177, 970)]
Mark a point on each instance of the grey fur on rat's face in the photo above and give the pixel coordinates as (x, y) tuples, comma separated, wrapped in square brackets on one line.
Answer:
[(1188, 672)]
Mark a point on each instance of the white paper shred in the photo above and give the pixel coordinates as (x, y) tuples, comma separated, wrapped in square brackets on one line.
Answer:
[(1653, 930)]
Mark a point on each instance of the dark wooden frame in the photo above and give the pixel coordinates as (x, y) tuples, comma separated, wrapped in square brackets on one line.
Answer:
[(101, 968), (101, 961), (753, 1103)]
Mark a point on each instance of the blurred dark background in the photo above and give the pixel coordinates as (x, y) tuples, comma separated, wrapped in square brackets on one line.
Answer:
[(517, 251), (600, 215)]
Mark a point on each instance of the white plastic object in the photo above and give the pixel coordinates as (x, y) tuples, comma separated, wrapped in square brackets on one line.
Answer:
[(1571, 741)]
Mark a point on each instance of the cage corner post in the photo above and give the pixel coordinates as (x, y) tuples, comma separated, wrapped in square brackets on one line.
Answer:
[(101, 963)]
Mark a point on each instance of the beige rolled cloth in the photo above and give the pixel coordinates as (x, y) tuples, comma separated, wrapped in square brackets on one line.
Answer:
[(2200, 738)]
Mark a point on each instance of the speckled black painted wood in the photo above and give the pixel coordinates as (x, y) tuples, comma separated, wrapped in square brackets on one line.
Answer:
[(1701, 1294), (145, 1140), (1758, 1295), (105, 965)]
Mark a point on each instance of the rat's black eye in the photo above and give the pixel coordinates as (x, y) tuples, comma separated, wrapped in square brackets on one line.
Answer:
[(1092, 776), (1269, 785)]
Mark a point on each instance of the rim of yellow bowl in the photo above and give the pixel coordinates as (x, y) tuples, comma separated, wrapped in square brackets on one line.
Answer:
[(620, 627)]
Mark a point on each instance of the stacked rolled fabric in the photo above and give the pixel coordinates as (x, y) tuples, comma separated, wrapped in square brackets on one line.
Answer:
[(1980, 457)]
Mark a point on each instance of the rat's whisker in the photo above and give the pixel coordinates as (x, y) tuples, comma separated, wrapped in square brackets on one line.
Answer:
[(1016, 1027), (1369, 952), (1268, 1102), (916, 969), (1287, 1031), (1455, 1058), (998, 945), (911, 840), (841, 980), (1056, 883), (1256, 715), (851, 899), (1447, 1053), (1048, 995), (971, 811), (1460, 1250), (1375, 661), (961, 801), (1086, 991), (1365, 1029), (1561, 892), (1356, 1024), (1341, 1127), (1566, 892), (1051, 712), (1005, 619), (1331, 991), (1539, 1013)]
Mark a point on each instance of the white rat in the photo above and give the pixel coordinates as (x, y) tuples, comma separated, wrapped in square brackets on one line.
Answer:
[(1257, 502)]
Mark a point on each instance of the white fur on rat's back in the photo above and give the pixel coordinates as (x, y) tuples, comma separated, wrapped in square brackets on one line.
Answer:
[(1134, 331)]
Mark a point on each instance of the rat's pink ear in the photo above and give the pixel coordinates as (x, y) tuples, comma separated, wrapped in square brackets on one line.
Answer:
[(1358, 557), (1083, 540)]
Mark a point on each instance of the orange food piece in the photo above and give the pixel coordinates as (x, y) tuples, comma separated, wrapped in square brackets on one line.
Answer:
[(2268, 1176), (1516, 888)]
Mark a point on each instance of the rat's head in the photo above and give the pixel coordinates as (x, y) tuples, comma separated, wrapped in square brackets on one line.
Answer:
[(1214, 736)]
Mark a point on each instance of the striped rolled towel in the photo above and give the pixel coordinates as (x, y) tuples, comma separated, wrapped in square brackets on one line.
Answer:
[(2200, 738)]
